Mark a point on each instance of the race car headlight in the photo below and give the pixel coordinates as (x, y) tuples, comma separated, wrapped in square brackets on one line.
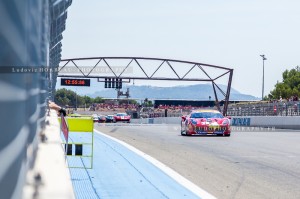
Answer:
[(225, 122), (194, 122)]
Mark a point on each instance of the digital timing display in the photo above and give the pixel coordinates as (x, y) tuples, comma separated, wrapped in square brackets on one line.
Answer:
[(75, 82)]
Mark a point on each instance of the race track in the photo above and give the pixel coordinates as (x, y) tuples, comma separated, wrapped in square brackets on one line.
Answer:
[(262, 164)]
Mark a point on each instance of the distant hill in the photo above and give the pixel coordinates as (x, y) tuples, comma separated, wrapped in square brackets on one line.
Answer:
[(193, 92)]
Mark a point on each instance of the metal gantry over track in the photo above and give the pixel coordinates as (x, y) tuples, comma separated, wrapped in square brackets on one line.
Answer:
[(142, 68)]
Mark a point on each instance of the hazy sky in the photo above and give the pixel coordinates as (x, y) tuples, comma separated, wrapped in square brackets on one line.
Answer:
[(227, 33)]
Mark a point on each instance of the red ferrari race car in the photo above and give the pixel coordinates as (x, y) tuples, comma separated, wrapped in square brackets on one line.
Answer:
[(122, 117), (205, 122)]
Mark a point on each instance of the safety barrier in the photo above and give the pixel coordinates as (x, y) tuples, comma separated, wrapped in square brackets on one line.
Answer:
[(78, 141)]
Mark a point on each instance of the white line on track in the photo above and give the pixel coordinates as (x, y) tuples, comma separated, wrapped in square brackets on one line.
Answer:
[(170, 172)]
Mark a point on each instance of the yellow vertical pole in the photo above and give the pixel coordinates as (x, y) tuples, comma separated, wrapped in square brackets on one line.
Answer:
[(92, 149)]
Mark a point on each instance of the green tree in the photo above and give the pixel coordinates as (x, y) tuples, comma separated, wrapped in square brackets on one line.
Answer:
[(65, 97), (289, 86), (148, 103), (131, 101), (98, 100), (87, 101), (80, 101)]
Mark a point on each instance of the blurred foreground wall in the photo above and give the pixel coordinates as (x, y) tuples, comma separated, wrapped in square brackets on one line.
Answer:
[(30, 35)]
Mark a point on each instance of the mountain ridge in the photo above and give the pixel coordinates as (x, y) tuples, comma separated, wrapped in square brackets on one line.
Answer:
[(175, 92)]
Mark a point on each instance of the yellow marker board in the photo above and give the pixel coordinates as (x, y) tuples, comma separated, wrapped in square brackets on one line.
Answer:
[(80, 124), (77, 125)]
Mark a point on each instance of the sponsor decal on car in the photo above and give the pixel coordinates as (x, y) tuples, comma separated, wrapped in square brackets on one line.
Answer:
[(210, 129)]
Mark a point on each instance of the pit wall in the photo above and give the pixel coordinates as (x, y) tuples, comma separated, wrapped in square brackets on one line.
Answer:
[(30, 49), (288, 122)]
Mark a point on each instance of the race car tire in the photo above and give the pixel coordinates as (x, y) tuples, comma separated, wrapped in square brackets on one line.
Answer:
[(183, 130)]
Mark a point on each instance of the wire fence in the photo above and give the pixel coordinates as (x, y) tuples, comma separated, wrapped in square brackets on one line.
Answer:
[(290, 108), (285, 108)]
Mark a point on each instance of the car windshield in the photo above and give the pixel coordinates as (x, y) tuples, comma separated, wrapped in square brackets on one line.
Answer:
[(121, 114), (206, 115)]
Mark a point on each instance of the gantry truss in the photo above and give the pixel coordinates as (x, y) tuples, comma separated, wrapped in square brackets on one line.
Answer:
[(142, 68)]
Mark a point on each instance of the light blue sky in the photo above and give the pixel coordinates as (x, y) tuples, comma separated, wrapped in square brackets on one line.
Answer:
[(227, 33)]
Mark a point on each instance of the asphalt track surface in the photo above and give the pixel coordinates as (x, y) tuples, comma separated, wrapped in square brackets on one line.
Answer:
[(249, 164)]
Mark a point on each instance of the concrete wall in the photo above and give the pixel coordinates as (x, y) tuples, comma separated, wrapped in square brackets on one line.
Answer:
[(290, 122)]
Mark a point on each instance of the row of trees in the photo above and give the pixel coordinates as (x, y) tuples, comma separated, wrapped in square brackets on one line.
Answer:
[(290, 85), (65, 97)]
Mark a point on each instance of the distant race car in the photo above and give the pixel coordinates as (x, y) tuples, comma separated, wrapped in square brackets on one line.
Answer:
[(205, 122), (95, 118), (101, 119), (122, 117), (110, 118)]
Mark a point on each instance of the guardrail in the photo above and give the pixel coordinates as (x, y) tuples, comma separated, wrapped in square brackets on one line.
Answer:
[(291, 108)]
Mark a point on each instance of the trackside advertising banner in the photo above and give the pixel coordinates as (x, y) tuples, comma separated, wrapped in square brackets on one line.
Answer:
[(240, 121)]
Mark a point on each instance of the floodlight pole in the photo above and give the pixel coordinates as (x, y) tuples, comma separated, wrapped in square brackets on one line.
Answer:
[(263, 77)]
